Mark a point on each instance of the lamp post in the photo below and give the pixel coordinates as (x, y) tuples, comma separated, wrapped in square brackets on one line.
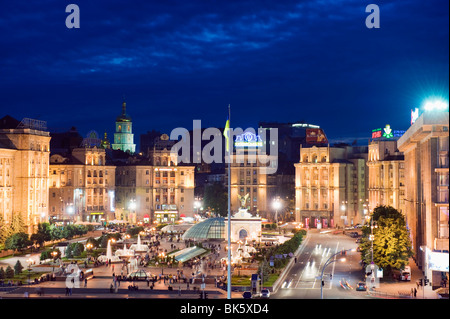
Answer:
[(132, 207), (54, 254), (328, 262), (89, 247), (162, 255), (30, 262), (276, 205)]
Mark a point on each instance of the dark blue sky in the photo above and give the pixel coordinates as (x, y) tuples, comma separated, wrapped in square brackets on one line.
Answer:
[(176, 61)]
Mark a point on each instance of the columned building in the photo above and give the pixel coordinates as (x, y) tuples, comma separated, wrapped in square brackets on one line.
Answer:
[(124, 137), (24, 165), (251, 176), (82, 186), (330, 186), (386, 175), (426, 148), (156, 188)]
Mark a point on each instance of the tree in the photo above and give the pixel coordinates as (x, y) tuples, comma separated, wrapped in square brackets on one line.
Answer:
[(74, 249), (9, 273), (5, 230), (18, 268), (216, 199), (392, 246), (17, 241), (2, 273), (17, 224)]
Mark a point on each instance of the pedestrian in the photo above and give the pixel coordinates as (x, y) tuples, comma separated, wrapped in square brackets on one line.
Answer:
[(85, 282), (415, 292)]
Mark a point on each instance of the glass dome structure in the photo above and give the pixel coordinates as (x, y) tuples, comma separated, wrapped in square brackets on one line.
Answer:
[(211, 228)]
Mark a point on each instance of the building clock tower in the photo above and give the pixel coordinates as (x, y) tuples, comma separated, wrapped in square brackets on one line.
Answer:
[(123, 137)]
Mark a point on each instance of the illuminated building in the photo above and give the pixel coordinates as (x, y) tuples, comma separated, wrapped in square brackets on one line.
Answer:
[(82, 186), (251, 174), (123, 137), (24, 165), (330, 186), (426, 149), (155, 188), (386, 184)]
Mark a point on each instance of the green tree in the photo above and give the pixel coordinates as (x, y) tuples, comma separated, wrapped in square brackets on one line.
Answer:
[(2, 273), (18, 268), (56, 232), (17, 224), (216, 199), (17, 241), (74, 250), (9, 273), (5, 230), (392, 246)]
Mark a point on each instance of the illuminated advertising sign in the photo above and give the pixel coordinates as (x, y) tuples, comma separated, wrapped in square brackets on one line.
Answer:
[(437, 261), (386, 133), (376, 133), (414, 115), (315, 136), (248, 139)]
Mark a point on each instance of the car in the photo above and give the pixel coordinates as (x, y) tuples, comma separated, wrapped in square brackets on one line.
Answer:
[(265, 293), (361, 286), (247, 295)]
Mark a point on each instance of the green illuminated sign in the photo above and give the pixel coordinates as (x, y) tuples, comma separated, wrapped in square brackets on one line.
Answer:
[(388, 132)]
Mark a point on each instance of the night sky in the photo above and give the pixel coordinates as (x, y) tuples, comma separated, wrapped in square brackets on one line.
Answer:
[(175, 61)]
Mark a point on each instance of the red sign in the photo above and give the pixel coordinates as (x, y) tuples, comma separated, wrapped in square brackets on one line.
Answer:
[(315, 136), (376, 134)]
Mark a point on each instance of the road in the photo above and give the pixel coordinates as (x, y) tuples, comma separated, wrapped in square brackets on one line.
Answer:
[(303, 280)]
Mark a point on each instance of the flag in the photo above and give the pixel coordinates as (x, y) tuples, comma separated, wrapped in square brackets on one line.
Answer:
[(226, 133)]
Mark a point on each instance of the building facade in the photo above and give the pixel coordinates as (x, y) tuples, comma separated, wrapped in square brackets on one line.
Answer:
[(386, 185), (251, 177), (426, 149), (24, 166), (330, 186), (155, 188), (82, 186)]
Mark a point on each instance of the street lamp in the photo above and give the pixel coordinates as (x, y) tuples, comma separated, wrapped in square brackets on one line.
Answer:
[(132, 206), (328, 262), (54, 254), (89, 247), (161, 256), (30, 262), (276, 205)]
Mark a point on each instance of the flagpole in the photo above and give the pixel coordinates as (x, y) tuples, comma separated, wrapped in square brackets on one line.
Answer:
[(230, 145)]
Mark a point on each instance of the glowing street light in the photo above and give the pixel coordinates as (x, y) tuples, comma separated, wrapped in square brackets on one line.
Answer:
[(276, 205)]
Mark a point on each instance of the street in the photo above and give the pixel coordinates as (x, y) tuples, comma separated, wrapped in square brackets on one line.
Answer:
[(303, 280)]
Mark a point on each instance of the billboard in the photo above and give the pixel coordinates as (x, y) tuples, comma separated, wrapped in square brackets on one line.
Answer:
[(437, 261), (315, 136)]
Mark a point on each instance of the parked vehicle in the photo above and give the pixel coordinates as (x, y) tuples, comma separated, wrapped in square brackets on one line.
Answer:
[(265, 293), (406, 274), (247, 295)]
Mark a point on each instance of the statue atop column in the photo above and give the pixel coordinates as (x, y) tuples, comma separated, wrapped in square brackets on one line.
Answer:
[(243, 200)]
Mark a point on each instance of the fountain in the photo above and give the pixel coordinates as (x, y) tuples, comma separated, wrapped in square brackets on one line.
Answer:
[(109, 256), (133, 265), (124, 253), (139, 248)]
